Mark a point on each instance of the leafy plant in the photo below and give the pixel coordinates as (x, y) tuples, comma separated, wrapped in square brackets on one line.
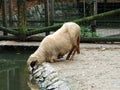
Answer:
[(86, 31)]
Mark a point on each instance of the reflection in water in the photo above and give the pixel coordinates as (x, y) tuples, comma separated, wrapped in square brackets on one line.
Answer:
[(14, 78), (13, 71), (8, 79)]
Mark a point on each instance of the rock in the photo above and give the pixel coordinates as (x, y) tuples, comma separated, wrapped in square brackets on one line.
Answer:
[(47, 78)]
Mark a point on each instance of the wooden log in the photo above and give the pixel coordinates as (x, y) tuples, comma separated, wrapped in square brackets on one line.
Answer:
[(44, 29), (87, 39), (101, 39), (83, 39), (15, 38), (14, 32), (8, 38)]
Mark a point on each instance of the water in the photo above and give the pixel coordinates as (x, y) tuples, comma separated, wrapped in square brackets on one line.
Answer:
[(13, 70)]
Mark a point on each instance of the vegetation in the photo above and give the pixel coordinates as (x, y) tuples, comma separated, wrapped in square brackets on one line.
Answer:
[(86, 32)]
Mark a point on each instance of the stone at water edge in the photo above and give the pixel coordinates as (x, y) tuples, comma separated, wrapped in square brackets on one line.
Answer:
[(47, 78)]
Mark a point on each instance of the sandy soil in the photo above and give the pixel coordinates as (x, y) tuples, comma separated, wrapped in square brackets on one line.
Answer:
[(96, 68)]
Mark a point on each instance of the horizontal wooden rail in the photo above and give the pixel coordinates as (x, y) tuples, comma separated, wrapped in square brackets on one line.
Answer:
[(78, 21), (11, 31), (57, 26), (92, 39)]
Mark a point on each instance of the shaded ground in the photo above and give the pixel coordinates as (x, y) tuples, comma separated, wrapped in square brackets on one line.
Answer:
[(96, 68)]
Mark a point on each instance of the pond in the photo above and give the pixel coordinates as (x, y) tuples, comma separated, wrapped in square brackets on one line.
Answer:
[(13, 70)]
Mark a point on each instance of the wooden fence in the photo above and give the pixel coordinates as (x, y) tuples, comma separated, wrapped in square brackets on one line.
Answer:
[(49, 13)]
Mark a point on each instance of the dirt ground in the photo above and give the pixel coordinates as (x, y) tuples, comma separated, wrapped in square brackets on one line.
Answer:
[(96, 68)]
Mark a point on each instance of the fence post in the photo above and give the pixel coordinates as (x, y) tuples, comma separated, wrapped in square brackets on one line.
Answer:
[(84, 7), (105, 3), (4, 15), (93, 26), (47, 13), (78, 6), (10, 13), (51, 12), (22, 18)]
